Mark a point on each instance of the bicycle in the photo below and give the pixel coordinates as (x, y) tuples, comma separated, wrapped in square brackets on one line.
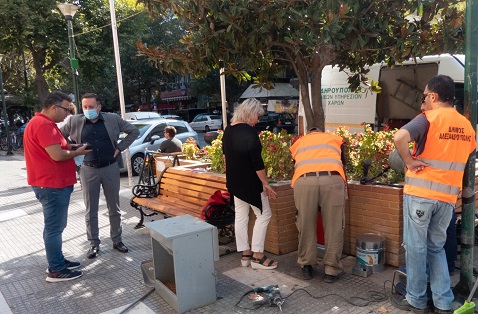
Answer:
[(13, 141)]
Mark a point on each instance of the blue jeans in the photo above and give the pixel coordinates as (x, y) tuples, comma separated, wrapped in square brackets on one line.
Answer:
[(425, 222), (55, 212), (451, 244)]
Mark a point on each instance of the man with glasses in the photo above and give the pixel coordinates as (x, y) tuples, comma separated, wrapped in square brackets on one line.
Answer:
[(444, 140), (51, 173), (171, 144), (101, 167)]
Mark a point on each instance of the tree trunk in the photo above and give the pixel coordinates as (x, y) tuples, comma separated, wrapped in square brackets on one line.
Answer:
[(40, 82)]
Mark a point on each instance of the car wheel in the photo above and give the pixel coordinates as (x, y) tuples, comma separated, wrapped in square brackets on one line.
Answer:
[(207, 128), (137, 164), (275, 130)]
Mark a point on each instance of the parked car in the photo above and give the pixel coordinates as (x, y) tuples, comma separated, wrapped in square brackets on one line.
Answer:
[(206, 122), (151, 136), (138, 115), (210, 136), (275, 122)]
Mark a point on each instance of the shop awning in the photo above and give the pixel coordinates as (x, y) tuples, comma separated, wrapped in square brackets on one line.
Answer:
[(176, 98)]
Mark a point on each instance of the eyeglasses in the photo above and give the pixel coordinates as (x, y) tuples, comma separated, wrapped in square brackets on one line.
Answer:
[(424, 96), (66, 109)]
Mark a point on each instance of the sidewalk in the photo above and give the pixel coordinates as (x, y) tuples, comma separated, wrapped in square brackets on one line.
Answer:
[(114, 280)]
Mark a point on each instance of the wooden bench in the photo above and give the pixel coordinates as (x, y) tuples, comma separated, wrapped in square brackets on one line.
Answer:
[(179, 191)]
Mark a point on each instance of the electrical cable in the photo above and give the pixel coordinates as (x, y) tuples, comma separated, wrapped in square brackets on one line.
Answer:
[(373, 296)]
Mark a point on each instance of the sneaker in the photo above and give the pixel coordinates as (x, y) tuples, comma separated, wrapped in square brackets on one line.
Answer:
[(63, 275), (400, 302), (307, 272), (68, 264)]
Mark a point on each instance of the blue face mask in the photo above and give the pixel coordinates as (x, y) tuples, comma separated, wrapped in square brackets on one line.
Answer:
[(91, 114)]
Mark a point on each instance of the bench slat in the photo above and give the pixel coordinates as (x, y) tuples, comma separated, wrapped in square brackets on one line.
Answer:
[(182, 192), (203, 192), (165, 206), (218, 185), (200, 175)]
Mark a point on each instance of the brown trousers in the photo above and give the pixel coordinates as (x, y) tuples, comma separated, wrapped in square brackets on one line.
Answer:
[(327, 194)]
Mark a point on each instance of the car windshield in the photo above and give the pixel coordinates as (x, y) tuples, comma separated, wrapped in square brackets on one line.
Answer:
[(142, 127)]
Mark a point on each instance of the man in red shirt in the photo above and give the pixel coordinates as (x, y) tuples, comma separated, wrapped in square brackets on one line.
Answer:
[(51, 173)]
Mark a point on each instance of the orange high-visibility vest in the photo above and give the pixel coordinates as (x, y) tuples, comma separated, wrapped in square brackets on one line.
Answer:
[(317, 151), (450, 140)]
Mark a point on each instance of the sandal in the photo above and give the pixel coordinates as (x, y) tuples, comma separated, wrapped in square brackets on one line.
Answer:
[(259, 263), (246, 260)]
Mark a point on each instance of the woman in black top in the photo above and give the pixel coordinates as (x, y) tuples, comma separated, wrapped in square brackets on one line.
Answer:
[(247, 182)]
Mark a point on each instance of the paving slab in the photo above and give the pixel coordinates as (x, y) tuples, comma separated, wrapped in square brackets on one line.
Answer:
[(113, 281)]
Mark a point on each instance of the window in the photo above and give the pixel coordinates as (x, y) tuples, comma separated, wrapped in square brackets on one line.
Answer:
[(180, 127), (157, 130), (200, 118)]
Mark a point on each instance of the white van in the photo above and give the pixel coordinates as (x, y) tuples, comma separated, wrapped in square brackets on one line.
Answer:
[(399, 100)]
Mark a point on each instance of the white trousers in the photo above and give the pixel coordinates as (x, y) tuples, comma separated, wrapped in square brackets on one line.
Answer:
[(260, 226)]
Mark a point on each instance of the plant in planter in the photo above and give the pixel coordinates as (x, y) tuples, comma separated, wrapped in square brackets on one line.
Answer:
[(190, 149), (369, 145), (213, 154), (276, 154)]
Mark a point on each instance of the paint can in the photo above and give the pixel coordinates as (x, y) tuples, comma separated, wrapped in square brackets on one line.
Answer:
[(371, 251)]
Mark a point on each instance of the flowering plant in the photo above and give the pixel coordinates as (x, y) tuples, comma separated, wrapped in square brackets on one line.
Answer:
[(190, 149), (369, 145), (276, 154), (213, 154)]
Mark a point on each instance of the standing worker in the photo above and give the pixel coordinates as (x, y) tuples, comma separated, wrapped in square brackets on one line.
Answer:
[(444, 140), (319, 184), (51, 172), (101, 166)]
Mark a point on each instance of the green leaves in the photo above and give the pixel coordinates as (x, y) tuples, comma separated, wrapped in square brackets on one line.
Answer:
[(263, 37)]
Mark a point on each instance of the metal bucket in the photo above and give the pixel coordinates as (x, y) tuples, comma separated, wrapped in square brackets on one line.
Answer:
[(371, 251)]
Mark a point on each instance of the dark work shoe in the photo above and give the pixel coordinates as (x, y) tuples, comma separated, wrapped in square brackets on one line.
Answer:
[(437, 310), (93, 251), (63, 275), (307, 272), (331, 278), (68, 264), (400, 302), (120, 247)]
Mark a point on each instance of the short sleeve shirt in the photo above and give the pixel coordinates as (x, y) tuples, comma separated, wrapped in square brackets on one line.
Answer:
[(42, 170)]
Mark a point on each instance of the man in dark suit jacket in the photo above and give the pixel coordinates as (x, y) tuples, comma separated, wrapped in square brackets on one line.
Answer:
[(101, 166)]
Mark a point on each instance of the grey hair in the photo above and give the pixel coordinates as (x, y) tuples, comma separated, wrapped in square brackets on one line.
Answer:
[(247, 110)]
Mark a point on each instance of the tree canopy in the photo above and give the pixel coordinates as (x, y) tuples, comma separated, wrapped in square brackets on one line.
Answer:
[(266, 36), (38, 31)]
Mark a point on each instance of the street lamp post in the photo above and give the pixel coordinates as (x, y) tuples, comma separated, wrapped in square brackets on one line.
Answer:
[(5, 116), (68, 10)]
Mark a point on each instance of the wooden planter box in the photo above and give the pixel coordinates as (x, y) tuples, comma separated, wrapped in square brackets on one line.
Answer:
[(282, 233)]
